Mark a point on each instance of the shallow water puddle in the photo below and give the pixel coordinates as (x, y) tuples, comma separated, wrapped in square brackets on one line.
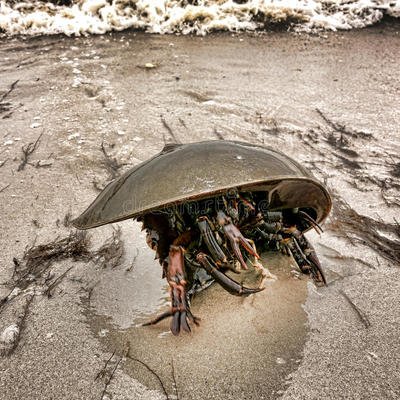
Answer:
[(136, 290), (244, 346)]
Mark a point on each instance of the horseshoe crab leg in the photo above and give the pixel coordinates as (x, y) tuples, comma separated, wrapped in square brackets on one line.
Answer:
[(311, 221), (227, 283), (311, 256), (180, 309), (176, 280), (236, 238), (159, 318), (305, 256), (213, 247)]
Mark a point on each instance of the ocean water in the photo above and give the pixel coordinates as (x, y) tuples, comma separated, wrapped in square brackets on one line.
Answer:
[(82, 17)]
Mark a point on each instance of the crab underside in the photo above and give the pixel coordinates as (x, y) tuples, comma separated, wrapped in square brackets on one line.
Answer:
[(197, 242)]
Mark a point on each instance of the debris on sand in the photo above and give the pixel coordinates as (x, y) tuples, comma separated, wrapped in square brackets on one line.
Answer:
[(76, 245), (174, 380), (110, 377), (151, 370), (343, 129), (102, 372), (128, 269), (111, 252), (111, 165), (55, 282), (38, 259), (5, 187), (148, 66), (384, 238), (395, 171), (43, 163), (171, 133), (360, 313), (34, 267), (10, 337), (32, 273), (27, 151), (218, 134), (5, 106)]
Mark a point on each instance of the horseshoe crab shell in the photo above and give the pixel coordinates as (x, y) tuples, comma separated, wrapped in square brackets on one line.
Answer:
[(193, 171)]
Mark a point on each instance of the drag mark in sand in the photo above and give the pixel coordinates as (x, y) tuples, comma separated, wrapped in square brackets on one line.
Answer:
[(150, 370)]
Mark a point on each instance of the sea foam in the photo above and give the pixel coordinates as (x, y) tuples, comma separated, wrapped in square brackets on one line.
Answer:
[(81, 17)]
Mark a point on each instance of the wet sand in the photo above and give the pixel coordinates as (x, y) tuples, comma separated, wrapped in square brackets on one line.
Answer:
[(263, 89), (244, 347)]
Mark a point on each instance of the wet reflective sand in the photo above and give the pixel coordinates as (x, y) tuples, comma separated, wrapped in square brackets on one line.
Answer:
[(244, 347)]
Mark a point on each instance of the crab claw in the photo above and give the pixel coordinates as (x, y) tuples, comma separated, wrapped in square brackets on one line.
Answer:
[(180, 310), (306, 258), (227, 283), (213, 247), (316, 269), (236, 238)]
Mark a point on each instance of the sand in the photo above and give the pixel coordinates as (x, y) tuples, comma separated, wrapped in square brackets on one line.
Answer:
[(265, 89)]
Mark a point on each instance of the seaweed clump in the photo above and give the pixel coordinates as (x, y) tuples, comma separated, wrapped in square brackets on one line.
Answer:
[(382, 237)]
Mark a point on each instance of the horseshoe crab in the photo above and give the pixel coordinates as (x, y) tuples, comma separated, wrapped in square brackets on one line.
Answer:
[(209, 207)]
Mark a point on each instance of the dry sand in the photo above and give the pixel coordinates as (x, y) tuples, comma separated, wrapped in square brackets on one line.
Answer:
[(266, 89)]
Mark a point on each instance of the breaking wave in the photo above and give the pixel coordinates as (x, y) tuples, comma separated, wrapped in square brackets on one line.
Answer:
[(80, 17)]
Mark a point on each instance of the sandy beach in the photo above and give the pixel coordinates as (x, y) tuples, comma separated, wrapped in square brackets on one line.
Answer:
[(77, 112)]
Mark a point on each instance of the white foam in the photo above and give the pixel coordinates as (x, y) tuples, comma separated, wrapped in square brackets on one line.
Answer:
[(176, 16)]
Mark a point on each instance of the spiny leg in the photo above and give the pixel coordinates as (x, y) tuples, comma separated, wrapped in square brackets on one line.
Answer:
[(311, 221), (176, 280), (304, 255), (213, 247), (235, 238), (180, 309), (227, 283), (311, 255)]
